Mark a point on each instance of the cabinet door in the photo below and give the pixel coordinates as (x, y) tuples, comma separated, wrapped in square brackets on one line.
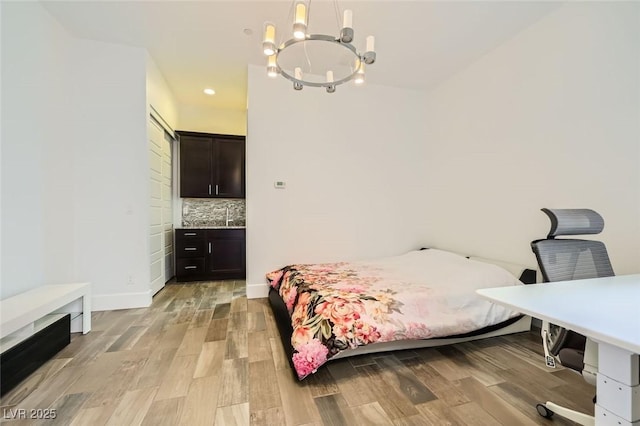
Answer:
[(196, 156), (226, 250), (229, 168)]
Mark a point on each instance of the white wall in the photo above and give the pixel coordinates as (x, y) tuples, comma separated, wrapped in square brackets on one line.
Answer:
[(37, 171), (112, 173), (159, 94), (549, 119), (351, 161), (74, 161), (196, 118)]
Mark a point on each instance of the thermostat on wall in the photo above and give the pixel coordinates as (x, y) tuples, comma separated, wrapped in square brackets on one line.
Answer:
[(279, 184)]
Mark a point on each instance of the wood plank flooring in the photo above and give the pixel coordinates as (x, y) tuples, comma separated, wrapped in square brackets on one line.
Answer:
[(203, 354)]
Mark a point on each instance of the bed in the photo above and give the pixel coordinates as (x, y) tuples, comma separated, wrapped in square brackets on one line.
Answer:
[(419, 299)]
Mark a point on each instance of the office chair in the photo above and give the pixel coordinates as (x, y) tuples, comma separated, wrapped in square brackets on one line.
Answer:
[(571, 259)]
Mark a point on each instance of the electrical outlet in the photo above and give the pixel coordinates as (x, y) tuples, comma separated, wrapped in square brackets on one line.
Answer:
[(130, 280)]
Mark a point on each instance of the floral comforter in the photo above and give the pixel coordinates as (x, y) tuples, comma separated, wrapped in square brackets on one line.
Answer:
[(420, 295)]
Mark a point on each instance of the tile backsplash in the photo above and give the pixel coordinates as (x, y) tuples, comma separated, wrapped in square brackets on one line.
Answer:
[(206, 212)]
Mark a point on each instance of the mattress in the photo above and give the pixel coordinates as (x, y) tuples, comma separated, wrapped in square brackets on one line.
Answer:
[(424, 294)]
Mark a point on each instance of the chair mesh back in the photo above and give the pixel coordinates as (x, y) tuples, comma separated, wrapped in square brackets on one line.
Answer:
[(574, 222), (568, 259)]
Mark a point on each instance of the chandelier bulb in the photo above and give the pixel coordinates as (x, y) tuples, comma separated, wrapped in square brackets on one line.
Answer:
[(272, 67), (301, 13), (300, 22), (369, 56), (297, 85), (269, 41), (347, 21), (370, 44), (346, 33), (299, 31), (329, 76)]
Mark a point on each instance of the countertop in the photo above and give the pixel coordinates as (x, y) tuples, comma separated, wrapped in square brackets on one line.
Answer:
[(212, 227)]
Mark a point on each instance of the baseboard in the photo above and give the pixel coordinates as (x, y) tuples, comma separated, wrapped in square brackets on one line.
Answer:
[(257, 291), (112, 302)]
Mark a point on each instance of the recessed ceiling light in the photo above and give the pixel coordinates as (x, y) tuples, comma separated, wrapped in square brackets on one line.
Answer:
[(208, 91)]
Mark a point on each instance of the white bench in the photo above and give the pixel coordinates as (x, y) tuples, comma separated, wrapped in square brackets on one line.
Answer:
[(25, 314)]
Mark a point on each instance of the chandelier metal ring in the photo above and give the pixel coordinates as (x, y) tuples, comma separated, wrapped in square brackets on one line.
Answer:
[(319, 37)]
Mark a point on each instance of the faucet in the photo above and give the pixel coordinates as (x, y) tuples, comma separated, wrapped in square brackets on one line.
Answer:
[(228, 220)]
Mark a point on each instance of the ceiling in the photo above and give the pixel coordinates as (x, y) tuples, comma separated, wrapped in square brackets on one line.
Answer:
[(198, 44)]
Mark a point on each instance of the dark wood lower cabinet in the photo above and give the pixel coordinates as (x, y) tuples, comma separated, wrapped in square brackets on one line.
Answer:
[(210, 254), (226, 253)]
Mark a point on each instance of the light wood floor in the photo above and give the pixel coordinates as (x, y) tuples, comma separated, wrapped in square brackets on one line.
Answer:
[(203, 354)]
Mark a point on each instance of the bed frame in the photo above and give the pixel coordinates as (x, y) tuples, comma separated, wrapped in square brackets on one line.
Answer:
[(513, 325)]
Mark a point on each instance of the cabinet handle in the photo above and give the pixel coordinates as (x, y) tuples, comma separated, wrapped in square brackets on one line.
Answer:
[(190, 267), (209, 248), (216, 189), (189, 234), (190, 249), (210, 189)]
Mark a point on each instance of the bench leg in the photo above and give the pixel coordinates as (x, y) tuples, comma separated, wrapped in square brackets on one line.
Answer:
[(86, 314)]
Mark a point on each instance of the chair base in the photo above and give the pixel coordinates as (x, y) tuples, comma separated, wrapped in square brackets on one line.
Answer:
[(549, 408)]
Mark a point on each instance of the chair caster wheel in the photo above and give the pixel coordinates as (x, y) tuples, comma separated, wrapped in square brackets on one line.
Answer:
[(544, 411)]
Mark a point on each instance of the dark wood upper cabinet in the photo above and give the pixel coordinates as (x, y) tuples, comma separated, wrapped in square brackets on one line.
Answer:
[(211, 165), (196, 161), (230, 167)]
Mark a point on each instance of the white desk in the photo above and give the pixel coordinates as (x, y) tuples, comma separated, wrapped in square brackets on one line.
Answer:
[(607, 310)]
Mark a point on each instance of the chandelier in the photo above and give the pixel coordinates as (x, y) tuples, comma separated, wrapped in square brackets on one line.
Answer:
[(317, 60)]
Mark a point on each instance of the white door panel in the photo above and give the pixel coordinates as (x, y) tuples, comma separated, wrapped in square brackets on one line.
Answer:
[(156, 190), (156, 271), (155, 161), (166, 193), (167, 202), (168, 241), (156, 243), (160, 206), (156, 216)]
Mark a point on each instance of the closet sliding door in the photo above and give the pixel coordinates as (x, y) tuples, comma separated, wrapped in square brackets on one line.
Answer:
[(161, 206), (167, 205)]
